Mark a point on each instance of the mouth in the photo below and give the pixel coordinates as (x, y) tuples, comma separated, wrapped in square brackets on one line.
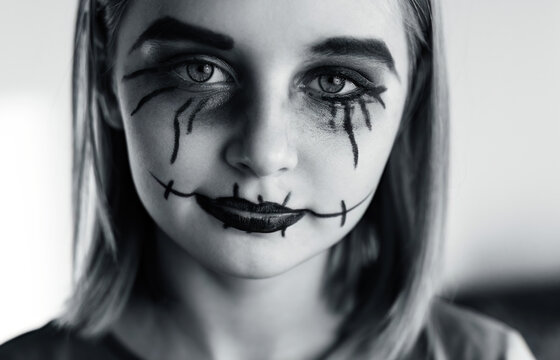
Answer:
[(241, 214)]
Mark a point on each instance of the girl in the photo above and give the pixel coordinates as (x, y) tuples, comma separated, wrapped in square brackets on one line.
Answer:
[(260, 180)]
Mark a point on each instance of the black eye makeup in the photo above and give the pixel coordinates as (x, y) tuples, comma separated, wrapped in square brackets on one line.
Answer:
[(343, 90), (194, 69), (208, 81), (338, 84)]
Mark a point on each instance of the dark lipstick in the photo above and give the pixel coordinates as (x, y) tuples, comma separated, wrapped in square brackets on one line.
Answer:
[(242, 214)]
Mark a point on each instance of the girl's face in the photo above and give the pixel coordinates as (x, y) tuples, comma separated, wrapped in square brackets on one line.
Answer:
[(257, 130)]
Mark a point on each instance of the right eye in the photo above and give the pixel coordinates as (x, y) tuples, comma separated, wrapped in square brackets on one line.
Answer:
[(332, 84), (202, 72)]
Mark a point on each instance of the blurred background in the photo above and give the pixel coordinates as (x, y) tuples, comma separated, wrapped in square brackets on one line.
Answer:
[(503, 251)]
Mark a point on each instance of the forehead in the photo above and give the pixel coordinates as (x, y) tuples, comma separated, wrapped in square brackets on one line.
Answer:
[(275, 27)]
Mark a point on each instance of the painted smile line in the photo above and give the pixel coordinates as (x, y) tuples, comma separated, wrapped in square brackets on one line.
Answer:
[(264, 217)]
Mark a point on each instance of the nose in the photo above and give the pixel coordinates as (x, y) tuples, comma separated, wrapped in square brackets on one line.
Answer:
[(263, 147)]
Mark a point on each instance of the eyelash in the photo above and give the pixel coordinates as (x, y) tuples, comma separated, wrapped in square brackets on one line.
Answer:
[(184, 71), (363, 86)]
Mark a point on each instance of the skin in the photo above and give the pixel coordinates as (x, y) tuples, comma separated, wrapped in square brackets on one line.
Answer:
[(233, 294)]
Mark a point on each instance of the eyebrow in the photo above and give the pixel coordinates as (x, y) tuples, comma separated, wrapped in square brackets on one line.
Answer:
[(171, 29), (374, 48)]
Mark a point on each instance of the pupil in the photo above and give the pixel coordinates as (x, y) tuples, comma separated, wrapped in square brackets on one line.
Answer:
[(200, 72), (331, 84)]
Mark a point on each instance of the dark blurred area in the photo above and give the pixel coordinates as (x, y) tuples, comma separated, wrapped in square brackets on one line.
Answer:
[(533, 311)]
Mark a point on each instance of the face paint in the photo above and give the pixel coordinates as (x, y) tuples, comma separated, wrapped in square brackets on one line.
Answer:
[(285, 202), (150, 96), (195, 112), (365, 114), (309, 150), (350, 131), (177, 129), (331, 93), (244, 215), (213, 85), (332, 122)]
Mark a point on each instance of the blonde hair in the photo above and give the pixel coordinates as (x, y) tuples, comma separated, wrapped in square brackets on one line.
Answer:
[(381, 275)]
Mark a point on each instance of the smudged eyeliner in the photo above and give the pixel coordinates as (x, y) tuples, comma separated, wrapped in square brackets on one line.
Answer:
[(177, 128)]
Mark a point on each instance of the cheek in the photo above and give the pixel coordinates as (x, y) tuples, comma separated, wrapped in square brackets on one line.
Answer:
[(329, 155), (175, 142)]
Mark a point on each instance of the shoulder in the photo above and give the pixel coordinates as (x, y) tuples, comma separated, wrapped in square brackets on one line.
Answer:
[(51, 342), (464, 334), (33, 345)]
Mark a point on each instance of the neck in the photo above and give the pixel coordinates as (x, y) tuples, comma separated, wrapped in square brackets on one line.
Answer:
[(219, 316)]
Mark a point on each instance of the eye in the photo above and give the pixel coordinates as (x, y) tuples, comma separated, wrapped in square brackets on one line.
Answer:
[(202, 72), (332, 84)]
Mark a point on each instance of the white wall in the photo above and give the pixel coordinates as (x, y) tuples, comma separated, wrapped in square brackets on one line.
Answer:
[(504, 213), (504, 223), (35, 61)]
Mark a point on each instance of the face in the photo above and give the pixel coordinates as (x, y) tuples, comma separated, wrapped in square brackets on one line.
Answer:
[(257, 131)]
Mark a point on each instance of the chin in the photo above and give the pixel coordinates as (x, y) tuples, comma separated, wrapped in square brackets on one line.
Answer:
[(244, 255)]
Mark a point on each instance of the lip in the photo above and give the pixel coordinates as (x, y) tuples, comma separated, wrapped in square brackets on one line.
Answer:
[(245, 215)]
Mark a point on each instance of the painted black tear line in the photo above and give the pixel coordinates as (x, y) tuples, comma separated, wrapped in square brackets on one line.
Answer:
[(177, 128), (334, 110), (350, 132), (283, 232), (150, 96), (194, 113), (285, 202), (236, 190), (260, 199), (365, 113)]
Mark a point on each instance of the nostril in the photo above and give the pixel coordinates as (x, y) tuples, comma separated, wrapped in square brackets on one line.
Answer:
[(244, 166)]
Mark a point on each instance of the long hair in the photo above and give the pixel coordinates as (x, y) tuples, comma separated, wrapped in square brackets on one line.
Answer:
[(381, 276)]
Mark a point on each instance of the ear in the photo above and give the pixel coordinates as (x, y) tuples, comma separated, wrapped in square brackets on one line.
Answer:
[(109, 105)]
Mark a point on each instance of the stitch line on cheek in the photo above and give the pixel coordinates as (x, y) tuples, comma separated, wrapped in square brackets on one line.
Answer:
[(177, 129), (298, 213), (168, 189), (285, 202)]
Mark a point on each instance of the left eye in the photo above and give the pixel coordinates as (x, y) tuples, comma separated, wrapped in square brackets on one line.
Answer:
[(202, 72), (332, 84)]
